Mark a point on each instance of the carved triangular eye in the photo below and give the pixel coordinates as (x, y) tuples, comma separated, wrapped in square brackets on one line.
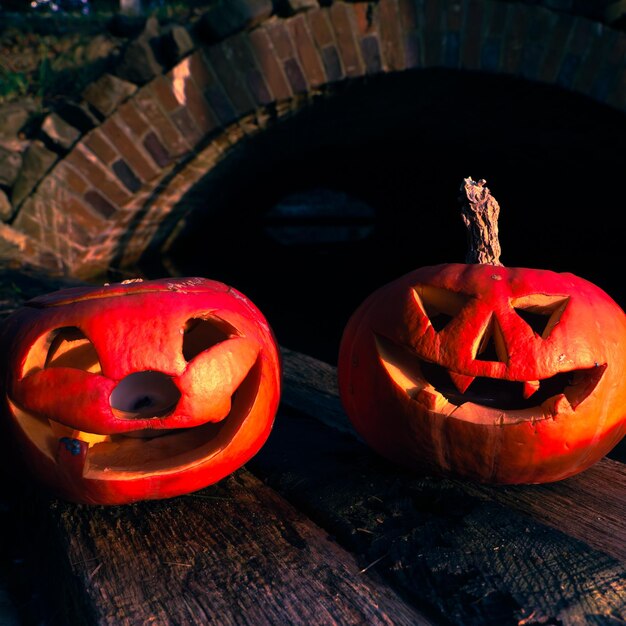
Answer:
[(491, 346), (540, 311), (200, 334), (439, 305)]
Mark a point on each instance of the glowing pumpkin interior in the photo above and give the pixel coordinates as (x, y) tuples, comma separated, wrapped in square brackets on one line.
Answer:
[(480, 398), (139, 396)]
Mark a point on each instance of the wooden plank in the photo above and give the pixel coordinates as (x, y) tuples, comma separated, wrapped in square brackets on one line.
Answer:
[(233, 553), (457, 557), (404, 548), (590, 506), (461, 553)]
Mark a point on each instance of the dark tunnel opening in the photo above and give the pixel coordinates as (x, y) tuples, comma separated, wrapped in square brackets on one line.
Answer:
[(361, 185)]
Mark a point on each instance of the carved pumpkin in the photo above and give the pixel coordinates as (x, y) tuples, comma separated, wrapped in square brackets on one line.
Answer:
[(495, 374), (139, 390)]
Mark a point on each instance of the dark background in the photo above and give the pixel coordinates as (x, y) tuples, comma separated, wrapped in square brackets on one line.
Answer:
[(397, 149)]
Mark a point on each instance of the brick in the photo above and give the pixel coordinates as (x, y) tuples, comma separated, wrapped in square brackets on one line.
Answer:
[(408, 15), (199, 109), (472, 39), (364, 19), (69, 177), (90, 222), (490, 54), (307, 52), (28, 224), (157, 150), (146, 101), (617, 95), (243, 59), (100, 203), (185, 124), (219, 57), (455, 14), (281, 41), (99, 145), (270, 65), (595, 73), (407, 12), (452, 22), (392, 43), (514, 37), (126, 176), (45, 210), (574, 52), (122, 138), (321, 28), (73, 227), (539, 29), (551, 62), (133, 119), (451, 48), (493, 41), (294, 75), (372, 57), (603, 82), (583, 34), (324, 38), (76, 240), (279, 36), (163, 89), (341, 17), (220, 104), (568, 69), (432, 33), (97, 175), (332, 64), (616, 52)]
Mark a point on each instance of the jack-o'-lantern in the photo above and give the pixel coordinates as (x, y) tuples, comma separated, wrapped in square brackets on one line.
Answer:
[(139, 390), (479, 371)]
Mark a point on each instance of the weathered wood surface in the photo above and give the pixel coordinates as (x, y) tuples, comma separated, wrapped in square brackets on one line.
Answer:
[(234, 553), (317, 529), (453, 549), (590, 506)]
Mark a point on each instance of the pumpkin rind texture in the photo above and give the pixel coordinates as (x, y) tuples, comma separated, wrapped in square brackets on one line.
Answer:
[(487, 373), (139, 390)]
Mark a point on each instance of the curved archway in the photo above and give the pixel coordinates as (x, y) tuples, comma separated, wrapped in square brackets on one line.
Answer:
[(120, 190), (401, 144)]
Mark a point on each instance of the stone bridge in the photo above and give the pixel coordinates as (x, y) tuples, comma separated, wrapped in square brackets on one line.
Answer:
[(120, 185)]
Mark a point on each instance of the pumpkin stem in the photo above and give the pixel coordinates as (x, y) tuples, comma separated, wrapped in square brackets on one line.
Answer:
[(480, 212)]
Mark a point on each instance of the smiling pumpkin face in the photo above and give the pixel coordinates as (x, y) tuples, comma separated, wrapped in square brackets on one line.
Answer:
[(139, 390), (501, 375)]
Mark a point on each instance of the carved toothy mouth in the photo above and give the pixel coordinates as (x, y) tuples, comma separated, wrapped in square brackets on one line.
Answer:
[(121, 456), (483, 399)]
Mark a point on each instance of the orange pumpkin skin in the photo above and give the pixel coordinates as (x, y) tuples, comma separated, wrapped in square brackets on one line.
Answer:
[(488, 395), (139, 390)]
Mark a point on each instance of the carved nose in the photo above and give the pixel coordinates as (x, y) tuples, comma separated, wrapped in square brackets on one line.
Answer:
[(143, 395)]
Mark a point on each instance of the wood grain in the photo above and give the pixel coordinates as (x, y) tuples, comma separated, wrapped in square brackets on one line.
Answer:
[(590, 506), (317, 529), (458, 557), (235, 553)]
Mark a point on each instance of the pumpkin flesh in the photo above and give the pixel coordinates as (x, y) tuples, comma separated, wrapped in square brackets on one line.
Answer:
[(503, 375), (139, 391)]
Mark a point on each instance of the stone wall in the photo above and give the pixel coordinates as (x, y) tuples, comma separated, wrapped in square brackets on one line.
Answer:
[(105, 182)]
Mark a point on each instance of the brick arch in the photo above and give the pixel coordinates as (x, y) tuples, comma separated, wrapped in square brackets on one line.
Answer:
[(103, 203)]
